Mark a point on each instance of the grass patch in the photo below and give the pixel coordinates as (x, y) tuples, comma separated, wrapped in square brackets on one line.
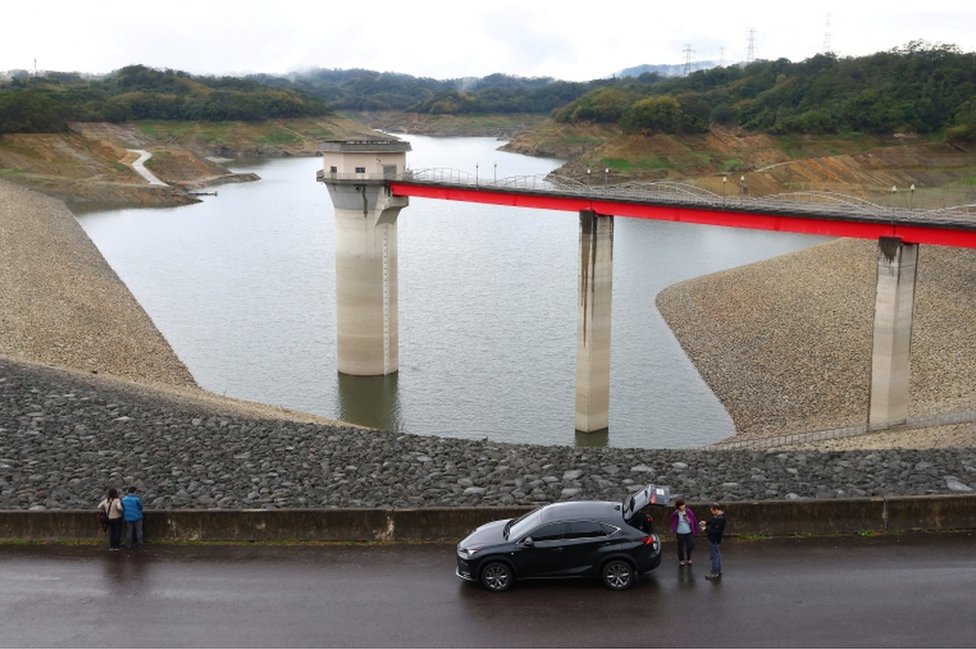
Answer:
[(320, 132), (643, 164), (732, 164), (585, 140), (697, 160), (276, 135), (166, 130)]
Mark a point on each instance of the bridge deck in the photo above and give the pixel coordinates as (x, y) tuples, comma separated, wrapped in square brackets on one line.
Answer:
[(816, 213)]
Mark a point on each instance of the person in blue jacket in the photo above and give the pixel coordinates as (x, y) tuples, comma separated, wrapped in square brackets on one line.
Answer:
[(132, 512)]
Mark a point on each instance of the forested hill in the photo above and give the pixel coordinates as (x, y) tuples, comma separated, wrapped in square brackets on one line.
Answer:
[(365, 90), (47, 103), (914, 89), (918, 88)]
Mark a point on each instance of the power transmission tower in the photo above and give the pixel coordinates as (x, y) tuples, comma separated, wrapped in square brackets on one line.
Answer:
[(827, 46), (688, 52), (751, 52)]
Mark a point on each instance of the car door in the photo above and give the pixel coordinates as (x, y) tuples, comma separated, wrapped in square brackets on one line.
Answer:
[(647, 495), (541, 553), (584, 545)]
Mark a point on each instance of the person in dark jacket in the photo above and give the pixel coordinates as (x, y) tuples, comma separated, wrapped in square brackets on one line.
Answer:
[(714, 529)]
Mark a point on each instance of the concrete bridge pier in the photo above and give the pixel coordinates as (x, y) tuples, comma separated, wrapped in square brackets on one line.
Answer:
[(593, 322), (356, 173), (891, 360)]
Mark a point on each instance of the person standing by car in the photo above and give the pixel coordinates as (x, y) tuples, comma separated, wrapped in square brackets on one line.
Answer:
[(684, 526), (715, 528), (132, 506), (112, 507)]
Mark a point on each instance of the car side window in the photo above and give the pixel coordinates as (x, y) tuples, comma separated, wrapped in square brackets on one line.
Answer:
[(551, 532), (585, 530)]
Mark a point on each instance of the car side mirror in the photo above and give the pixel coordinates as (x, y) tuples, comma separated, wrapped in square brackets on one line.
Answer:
[(528, 542)]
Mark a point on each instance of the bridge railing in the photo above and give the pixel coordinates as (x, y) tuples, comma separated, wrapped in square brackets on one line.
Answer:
[(812, 203)]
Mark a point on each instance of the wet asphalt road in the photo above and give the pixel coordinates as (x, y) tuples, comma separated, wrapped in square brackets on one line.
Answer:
[(916, 590)]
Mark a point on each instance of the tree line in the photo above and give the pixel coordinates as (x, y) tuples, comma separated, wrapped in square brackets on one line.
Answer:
[(921, 88), (366, 90), (917, 88), (47, 104)]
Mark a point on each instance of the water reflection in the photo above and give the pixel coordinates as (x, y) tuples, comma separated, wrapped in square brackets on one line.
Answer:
[(595, 439), (372, 401), (126, 569)]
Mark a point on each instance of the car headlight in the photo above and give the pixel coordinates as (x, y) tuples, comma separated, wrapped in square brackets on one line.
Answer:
[(467, 553)]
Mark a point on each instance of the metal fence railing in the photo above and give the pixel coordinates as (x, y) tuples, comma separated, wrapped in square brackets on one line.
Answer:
[(808, 203)]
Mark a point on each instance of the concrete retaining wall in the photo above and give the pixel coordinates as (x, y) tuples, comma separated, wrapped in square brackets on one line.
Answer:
[(773, 518)]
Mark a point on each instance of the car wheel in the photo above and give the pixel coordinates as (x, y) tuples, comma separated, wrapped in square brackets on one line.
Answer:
[(618, 574), (497, 576)]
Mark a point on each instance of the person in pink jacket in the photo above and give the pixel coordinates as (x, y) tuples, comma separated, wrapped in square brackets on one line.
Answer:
[(684, 526)]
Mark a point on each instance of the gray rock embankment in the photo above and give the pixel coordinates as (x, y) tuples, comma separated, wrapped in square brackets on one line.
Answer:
[(66, 436)]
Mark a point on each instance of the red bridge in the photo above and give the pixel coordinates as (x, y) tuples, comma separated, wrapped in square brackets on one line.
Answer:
[(819, 213)]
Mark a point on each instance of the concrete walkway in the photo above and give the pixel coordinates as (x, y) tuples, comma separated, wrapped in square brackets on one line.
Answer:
[(139, 165)]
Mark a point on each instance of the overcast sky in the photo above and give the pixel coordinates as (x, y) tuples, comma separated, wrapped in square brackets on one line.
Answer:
[(447, 39)]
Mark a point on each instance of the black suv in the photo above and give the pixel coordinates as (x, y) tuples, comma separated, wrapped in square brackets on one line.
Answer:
[(586, 538)]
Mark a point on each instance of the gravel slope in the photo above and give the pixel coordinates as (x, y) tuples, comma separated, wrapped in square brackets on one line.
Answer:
[(786, 343), (62, 304)]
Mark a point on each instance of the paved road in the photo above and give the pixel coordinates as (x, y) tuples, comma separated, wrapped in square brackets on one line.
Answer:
[(899, 591), (139, 165)]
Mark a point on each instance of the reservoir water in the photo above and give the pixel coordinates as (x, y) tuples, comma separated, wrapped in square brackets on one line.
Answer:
[(242, 286)]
